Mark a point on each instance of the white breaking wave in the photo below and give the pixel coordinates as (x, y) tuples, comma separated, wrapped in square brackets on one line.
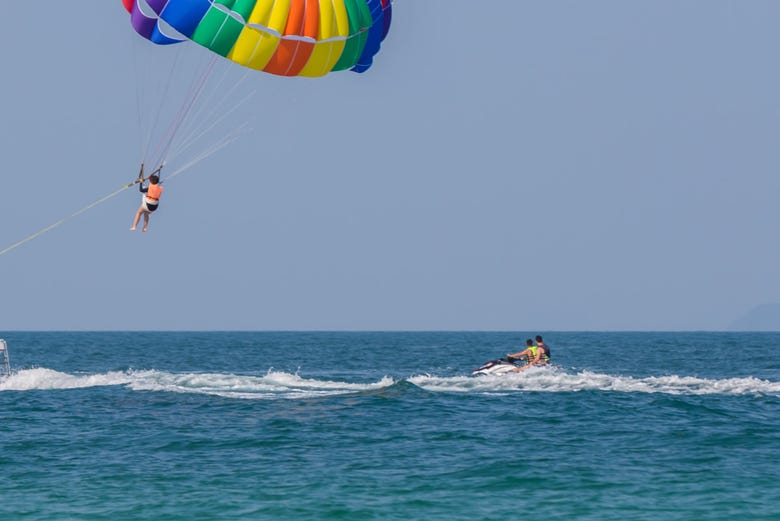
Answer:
[(42, 378), (282, 385), (273, 385), (558, 380)]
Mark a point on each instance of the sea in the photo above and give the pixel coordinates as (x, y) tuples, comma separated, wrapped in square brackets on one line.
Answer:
[(389, 426)]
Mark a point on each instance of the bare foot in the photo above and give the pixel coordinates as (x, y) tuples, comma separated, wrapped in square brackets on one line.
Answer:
[(132, 229), (144, 229)]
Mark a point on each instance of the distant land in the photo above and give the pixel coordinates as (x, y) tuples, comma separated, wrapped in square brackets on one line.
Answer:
[(765, 317)]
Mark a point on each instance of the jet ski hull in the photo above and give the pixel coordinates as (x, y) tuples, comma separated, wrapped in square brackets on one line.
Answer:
[(498, 366)]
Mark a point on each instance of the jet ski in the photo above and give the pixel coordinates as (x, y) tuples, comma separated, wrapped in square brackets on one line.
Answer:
[(498, 366)]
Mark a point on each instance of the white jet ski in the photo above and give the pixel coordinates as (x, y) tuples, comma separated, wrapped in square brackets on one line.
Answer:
[(498, 366)]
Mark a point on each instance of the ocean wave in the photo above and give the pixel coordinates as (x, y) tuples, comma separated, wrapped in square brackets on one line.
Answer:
[(559, 380), (44, 379), (272, 385), (283, 385)]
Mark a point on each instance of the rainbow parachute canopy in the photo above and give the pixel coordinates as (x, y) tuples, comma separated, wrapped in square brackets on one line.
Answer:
[(282, 37)]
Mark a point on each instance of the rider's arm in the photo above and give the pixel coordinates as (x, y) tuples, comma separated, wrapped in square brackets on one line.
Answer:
[(519, 354)]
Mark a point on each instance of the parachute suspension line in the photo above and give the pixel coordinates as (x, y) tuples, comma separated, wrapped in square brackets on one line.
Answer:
[(151, 88), (202, 96), (195, 138), (199, 125), (216, 115), (164, 145), (197, 113), (172, 72), (137, 93), (216, 147)]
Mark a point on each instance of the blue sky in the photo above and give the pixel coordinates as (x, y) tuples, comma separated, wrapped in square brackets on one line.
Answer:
[(509, 165)]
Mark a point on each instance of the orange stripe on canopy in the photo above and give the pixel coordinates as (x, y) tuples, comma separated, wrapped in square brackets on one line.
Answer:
[(293, 53)]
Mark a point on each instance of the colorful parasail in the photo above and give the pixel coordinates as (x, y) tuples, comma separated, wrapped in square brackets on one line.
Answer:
[(282, 37)]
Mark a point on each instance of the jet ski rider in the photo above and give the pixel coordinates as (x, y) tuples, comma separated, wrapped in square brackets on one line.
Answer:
[(534, 354), (544, 347)]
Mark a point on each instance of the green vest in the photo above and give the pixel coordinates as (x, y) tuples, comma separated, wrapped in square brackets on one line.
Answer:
[(534, 350)]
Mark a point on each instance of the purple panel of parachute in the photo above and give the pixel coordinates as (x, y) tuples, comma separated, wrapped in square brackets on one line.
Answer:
[(145, 20)]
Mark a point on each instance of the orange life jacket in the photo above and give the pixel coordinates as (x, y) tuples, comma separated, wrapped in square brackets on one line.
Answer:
[(154, 191)]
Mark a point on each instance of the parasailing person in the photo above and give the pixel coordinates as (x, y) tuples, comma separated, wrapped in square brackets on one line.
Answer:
[(151, 198)]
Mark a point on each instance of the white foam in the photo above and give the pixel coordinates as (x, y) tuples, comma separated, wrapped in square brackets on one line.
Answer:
[(42, 378), (279, 385), (270, 386), (558, 380)]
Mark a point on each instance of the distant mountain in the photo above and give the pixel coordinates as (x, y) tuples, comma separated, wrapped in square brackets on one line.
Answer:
[(765, 317)]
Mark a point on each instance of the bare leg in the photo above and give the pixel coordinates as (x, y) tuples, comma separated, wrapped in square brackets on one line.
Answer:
[(523, 367), (146, 220), (137, 218)]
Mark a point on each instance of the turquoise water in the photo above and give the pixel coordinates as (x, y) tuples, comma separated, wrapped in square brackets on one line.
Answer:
[(255, 426)]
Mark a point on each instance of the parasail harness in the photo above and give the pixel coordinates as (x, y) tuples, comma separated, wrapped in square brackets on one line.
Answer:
[(141, 177)]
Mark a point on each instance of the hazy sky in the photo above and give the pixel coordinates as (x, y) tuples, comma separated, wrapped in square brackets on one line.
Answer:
[(506, 164)]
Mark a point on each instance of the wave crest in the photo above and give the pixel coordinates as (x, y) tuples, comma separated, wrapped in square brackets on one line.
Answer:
[(272, 385), (283, 385), (559, 380)]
